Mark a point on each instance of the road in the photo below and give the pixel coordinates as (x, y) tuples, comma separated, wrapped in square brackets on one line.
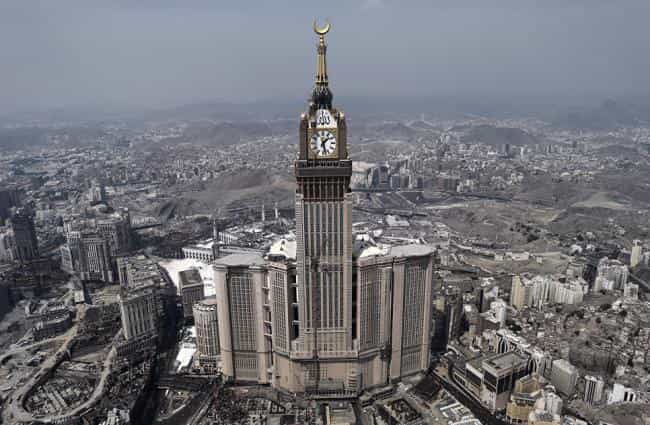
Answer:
[(15, 412), (18, 350)]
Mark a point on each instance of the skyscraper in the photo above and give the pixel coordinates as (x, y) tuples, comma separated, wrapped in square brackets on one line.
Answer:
[(594, 386), (637, 252), (24, 236), (207, 334), (191, 290), (244, 325), (324, 227), (564, 376), (327, 315), (139, 310), (324, 232)]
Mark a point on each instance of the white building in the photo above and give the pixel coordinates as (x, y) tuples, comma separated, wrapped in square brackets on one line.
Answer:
[(568, 293), (499, 308), (636, 254), (621, 394), (594, 386), (612, 275)]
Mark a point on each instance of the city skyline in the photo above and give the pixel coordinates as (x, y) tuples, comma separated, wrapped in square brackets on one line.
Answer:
[(234, 263)]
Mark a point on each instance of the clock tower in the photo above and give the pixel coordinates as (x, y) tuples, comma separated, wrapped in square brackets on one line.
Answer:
[(325, 346)]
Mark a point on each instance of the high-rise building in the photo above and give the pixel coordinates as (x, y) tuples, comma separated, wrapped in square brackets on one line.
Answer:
[(393, 313), (524, 396), (636, 254), (206, 323), (7, 245), (24, 236), (139, 310), (323, 315), (9, 198), (564, 376), (521, 292), (452, 304), (568, 293), (500, 372), (244, 318), (594, 386), (324, 235), (88, 254), (94, 245), (191, 290), (116, 229), (611, 275)]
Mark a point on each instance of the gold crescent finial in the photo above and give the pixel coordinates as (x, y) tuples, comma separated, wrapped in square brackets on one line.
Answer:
[(322, 31)]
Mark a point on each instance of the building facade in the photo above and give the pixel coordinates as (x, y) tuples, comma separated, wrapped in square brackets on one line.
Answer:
[(88, 254), (206, 323), (323, 315), (244, 325), (25, 244), (594, 387), (324, 241), (94, 245), (564, 376), (139, 312), (191, 290)]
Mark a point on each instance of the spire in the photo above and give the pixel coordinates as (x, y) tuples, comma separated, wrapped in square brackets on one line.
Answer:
[(322, 96)]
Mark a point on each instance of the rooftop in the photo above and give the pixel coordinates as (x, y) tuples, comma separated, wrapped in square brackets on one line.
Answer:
[(505, 360), (241, 260)]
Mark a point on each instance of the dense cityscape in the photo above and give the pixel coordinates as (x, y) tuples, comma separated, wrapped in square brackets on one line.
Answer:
[(410, 269)]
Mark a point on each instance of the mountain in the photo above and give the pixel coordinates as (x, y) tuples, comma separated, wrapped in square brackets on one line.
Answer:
[(608, 115), (496, 136)]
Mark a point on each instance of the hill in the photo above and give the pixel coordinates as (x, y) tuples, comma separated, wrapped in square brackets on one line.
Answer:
[(497, 136)]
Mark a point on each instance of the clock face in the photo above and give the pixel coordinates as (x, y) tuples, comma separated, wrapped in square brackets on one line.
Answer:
[(323, 143)]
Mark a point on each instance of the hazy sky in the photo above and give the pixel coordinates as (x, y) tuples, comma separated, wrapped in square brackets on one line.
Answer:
[(166, 52)]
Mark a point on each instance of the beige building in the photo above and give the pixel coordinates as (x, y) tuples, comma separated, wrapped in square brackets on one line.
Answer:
[(139, 311), (244, 317), (523, 399), (260, 325), (594, 387), (564, 376), (321, 315), (636, 254), (520, 293), (206, 323)]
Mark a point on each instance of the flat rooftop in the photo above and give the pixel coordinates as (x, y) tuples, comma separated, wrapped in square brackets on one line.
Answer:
[(241, 260), (505, 360)]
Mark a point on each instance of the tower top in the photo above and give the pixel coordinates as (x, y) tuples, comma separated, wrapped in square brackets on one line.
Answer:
[(321, 95)]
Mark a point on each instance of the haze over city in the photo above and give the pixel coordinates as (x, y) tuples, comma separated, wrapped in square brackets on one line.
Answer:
[(122, 54), (361, 212)]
